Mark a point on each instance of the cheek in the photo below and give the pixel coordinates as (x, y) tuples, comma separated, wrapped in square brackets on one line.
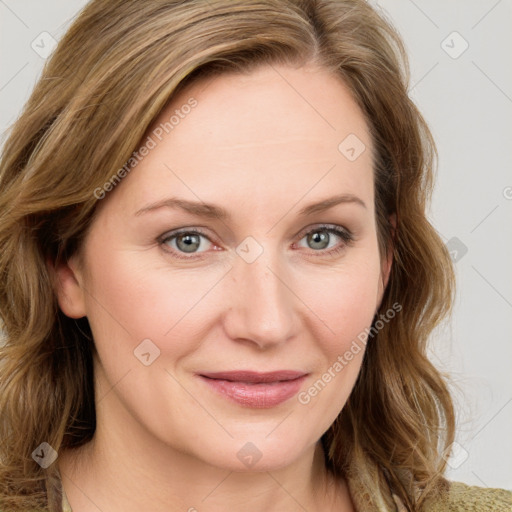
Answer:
[(345, 300), (346, 309), (132, 297), (344, 305)]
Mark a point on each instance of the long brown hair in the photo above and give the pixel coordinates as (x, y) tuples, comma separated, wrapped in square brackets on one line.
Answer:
[(112, 73)]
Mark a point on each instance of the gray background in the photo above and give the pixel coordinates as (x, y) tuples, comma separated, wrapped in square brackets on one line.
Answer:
[(466, 96)]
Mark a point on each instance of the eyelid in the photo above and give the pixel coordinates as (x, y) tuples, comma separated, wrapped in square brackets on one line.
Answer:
[(327, 227), (179, 231)]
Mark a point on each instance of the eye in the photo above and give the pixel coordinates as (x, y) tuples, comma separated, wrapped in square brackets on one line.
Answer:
[(188, 242), (185, 242), (320, 237)]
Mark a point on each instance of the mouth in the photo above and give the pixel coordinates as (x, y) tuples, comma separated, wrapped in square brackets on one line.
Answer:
[(254, 389), (250, 377)]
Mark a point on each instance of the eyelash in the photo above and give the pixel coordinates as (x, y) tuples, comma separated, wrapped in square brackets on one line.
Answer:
[(343, 233)]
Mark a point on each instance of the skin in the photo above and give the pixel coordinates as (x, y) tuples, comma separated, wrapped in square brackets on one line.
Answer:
[(163, 437)]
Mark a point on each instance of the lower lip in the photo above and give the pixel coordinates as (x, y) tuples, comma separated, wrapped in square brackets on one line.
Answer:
[(258, 396)]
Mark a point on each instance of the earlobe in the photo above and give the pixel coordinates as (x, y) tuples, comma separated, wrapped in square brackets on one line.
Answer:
[(67, 283)]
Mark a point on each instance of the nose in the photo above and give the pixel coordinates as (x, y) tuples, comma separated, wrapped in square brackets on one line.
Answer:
[(261, 306)]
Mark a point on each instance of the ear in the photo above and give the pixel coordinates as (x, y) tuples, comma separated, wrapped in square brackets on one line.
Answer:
[(68, 287), (387, 261)]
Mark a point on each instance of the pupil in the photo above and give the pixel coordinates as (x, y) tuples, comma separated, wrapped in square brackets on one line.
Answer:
[(319, 237), (190, 243)]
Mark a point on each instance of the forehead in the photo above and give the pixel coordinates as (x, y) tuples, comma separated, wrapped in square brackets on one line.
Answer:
[(273, 104), (276, 131)]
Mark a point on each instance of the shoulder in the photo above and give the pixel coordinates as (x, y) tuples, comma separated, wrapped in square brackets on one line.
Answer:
[(458, 496)]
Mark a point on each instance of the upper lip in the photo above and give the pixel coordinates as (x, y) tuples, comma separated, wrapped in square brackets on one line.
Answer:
[(249, 376)]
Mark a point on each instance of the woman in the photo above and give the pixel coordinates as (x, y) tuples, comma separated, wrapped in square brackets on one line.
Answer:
[(179, 334)]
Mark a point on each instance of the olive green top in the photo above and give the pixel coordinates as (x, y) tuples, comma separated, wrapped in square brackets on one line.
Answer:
[(459, 497)]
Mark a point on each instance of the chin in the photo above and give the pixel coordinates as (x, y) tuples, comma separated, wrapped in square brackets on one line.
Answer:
[(254, 453)]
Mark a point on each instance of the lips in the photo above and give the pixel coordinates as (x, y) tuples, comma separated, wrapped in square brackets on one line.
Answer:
[(255, 377), (254, 389)]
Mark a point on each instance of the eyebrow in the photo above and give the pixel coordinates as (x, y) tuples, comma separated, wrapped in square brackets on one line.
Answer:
[(212, 211)]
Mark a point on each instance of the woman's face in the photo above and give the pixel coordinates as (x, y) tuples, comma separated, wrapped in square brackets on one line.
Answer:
[(267, 285)]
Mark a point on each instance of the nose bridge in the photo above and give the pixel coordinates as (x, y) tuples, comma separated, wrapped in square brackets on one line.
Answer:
[(261, 308)]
